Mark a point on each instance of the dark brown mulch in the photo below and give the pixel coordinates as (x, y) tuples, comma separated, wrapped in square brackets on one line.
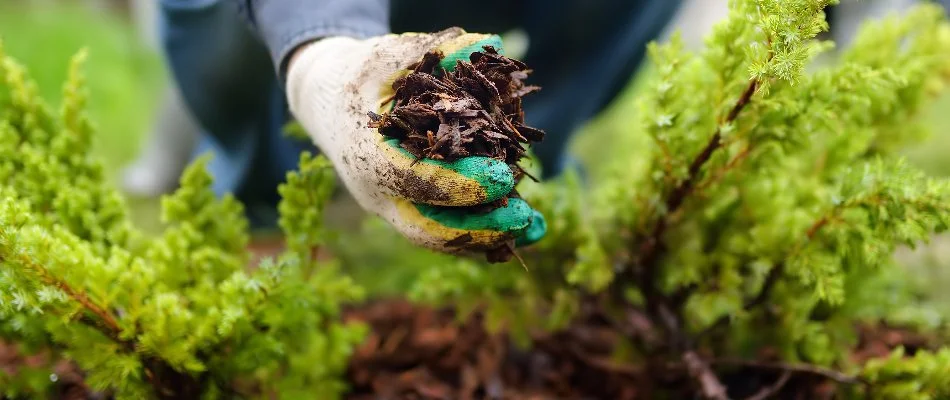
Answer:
[(416, 352), (879, 340), (69, 379), (474, 110), (420, 353)]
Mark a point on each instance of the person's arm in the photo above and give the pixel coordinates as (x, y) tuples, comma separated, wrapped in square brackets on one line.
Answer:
[(284, 25), (338, 64)]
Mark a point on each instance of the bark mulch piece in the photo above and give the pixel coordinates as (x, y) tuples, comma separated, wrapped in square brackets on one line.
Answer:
[(474, 110), (879, 340)]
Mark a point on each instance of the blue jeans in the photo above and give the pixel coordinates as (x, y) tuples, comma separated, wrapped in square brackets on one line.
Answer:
[(583, 51)]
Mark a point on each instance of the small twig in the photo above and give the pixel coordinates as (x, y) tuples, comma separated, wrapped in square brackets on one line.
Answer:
[(806, 369), (649, 244), (525, 172), (773, 390), (517, 256), (603, 363), (709, 384), (816, 226), (721, 173)]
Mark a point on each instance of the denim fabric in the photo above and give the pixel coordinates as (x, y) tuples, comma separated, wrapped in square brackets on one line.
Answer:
[(583, 51), (227, 80), (285, 24)]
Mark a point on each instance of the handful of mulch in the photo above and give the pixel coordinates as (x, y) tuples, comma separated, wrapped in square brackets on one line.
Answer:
[(474, 110)]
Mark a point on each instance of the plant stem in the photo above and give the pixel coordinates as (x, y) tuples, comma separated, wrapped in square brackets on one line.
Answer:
[(156, 370), (771, 279), (645, 266), (699, 370), (771, 391), (650, 246), (106, 322), (806, 369)]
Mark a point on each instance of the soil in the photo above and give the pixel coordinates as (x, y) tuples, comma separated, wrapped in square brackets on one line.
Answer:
[(423, 353)]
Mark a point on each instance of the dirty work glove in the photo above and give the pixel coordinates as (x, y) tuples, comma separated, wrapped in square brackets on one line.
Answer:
[(334, 82)]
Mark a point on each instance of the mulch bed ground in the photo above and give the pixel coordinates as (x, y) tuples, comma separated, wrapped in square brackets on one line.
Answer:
[(422, 353), (69, 379)]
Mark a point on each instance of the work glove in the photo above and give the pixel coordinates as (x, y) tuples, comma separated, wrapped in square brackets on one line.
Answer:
[(333, 83)]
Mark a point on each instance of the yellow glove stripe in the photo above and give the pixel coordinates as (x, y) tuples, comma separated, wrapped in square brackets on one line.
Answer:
[(458, 189), (479, 238), (460, 42)]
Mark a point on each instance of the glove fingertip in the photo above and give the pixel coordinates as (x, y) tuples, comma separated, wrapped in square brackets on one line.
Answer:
[(536, 230)]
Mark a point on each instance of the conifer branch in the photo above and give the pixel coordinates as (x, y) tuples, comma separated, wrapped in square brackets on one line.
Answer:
[(721, 173), (649, 247), (770, 391), (645, 265), (771, 279), (643, 271), (105, 324)]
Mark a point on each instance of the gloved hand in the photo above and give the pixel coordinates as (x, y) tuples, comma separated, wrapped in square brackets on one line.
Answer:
[(334, 82)]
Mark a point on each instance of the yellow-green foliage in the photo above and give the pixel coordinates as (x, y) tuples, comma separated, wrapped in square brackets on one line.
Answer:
[(180, 315)]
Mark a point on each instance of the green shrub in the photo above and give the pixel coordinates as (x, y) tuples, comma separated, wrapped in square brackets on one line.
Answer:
[(761, 215), (176, 316)]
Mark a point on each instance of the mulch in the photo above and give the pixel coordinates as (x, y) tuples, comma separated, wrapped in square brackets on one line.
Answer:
[(423, 353), (417, 352), (474, 110), (69, 379)]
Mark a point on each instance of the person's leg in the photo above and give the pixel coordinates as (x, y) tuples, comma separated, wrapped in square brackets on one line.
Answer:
[(228, 82), (166, 149), (168, 145), (583, 52)]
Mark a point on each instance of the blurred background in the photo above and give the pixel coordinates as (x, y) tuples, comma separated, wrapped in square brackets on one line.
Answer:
[(131, 97)]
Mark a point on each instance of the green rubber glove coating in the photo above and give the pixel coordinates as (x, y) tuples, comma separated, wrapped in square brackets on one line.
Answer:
[(448, 63), (513, 218), (494, 176), (535, 231)]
